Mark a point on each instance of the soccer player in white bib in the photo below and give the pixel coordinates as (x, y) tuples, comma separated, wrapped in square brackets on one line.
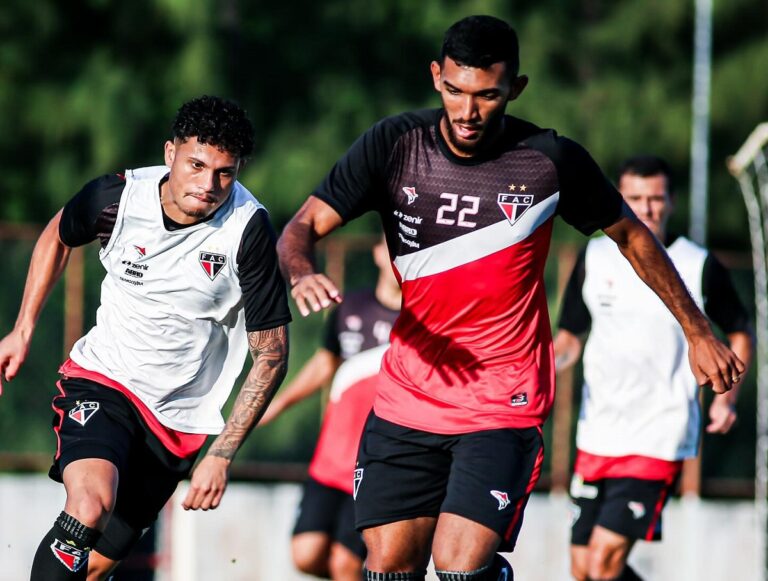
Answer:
[(640, 413), (192, 282)]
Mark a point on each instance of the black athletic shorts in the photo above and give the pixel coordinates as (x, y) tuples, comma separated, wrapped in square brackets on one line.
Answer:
[(628, 506), (331, 511), (94, 421), (484, 476)]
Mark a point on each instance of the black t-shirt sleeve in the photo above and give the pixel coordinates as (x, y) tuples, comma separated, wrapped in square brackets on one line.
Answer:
[(574, 314), (588, 200), (92, 212), (357, 182), (264, 295), (721, 303), (331, 333)]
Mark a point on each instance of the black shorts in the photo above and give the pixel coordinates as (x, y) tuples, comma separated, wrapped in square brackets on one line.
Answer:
[(94, 421), (628, 506), (484, 476), (331, 511)]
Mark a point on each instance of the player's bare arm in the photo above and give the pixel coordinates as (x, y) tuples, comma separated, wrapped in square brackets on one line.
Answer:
[(567, 350), (269, 350), (49, 259), (315, 373), (311, 290), (711, 361)]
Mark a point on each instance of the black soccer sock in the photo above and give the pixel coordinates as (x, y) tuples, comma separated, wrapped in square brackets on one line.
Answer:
[(63, 552), (498, 570), (410, 576)]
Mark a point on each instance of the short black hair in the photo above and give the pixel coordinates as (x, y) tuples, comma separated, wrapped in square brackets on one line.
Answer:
[(217, 122), (646, 166), (480, 41)]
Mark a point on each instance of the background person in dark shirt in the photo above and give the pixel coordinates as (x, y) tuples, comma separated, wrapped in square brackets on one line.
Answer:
[(325, 542)]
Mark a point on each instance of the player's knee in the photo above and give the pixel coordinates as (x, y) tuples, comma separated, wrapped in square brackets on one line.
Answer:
[(605, 562), (92, 510), (498, 570), (579, 572), (344, 564), (311, 563), (398, 576)]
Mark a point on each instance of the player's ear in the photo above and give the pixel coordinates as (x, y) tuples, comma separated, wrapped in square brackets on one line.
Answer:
[(518, 86), (170, 153), (436, 75)]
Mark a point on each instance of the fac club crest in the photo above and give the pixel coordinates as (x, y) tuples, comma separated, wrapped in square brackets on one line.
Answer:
[(358, 479), (514, 205), (212, 263), (71, 557), (84, 411)]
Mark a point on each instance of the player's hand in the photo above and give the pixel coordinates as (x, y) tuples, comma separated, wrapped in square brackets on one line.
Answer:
[(714, 364), (722, 415), (13, 352), (208, 483), (314, 292)]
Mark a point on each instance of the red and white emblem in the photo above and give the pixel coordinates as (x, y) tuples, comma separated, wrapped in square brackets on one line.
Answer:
[(212, 263), (502, 497), (514, 205), (72, 558), (140, 250), (410, 191), (84, 411)]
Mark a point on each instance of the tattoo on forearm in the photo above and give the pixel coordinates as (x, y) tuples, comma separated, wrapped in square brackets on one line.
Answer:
[(269, 350)]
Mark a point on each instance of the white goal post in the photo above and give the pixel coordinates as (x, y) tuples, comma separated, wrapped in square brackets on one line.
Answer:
[(750, 169)]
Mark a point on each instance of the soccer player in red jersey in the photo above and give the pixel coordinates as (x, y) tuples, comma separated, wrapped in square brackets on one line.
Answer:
[(467, 196)]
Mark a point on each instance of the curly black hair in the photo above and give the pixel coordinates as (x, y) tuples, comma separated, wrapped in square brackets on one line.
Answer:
[(480, 41), (217, 122)]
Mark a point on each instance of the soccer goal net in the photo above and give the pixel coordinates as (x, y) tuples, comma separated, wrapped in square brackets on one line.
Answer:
[(750, 169)]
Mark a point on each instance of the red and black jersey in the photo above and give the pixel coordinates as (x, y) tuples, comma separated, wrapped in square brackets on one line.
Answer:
[(469, 237)]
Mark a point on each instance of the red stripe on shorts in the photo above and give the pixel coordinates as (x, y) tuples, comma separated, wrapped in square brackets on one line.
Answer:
[(520, 508), (659, 507)]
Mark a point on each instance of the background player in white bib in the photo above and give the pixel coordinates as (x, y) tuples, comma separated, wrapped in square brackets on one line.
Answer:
[(191, 282), (325, 542), (640, 412), (467, 196)]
